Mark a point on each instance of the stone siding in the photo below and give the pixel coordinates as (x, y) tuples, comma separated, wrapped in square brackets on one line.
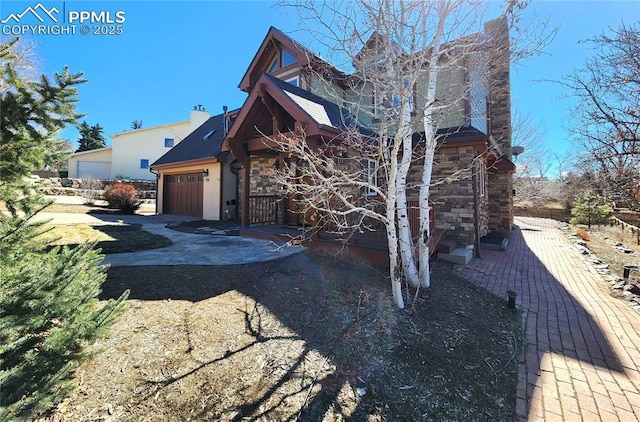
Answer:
[(453, 201), (500, 187), (262, 180)]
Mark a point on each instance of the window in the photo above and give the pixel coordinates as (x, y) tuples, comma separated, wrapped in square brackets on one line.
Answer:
[(287, 59), (168, 142), (372, 177), (295, 81), (384, 100), (274, 65), (144, 163), (481, 174)]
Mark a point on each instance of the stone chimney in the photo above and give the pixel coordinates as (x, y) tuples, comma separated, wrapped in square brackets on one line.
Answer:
[(500, 83)]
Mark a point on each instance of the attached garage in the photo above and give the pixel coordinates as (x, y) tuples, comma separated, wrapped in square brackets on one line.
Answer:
[(195, 178), (183, 194)]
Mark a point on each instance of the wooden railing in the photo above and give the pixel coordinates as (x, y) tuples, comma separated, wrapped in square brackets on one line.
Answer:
[(263, 209)]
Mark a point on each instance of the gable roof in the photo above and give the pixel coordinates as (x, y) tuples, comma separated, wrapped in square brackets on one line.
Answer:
[(324, 112), (319, 114), (203, 143), (276, 41)]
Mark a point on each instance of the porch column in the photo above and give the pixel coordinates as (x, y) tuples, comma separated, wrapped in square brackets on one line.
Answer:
[(246, 172)]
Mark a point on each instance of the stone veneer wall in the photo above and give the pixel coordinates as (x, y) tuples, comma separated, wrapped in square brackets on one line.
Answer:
[(262, 181), (501, 204), (454, 210), (500, 187)]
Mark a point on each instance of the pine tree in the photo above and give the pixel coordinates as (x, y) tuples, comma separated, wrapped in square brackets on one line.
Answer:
[(49, 311), (588, 210), (90, 137)]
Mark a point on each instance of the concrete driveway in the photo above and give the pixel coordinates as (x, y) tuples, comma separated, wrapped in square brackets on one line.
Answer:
[(187, 248)]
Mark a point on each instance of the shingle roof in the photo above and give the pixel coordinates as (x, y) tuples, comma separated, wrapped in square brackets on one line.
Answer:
[(198, 144), (324, 112)]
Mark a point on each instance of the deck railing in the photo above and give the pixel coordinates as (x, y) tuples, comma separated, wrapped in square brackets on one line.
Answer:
[(263, 209)]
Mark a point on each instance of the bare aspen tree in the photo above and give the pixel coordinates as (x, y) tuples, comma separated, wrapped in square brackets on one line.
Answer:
[(414, 66)]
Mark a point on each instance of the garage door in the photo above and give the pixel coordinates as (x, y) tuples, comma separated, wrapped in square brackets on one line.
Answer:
[(94, 169), (183, 194)]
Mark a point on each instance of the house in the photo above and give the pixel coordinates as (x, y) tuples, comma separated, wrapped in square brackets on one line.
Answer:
[(133, 151), (290, 87)]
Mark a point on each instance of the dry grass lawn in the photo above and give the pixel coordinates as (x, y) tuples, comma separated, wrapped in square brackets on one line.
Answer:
[(306, 338)]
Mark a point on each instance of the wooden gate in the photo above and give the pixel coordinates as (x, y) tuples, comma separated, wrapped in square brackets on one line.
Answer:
[(183, 194)]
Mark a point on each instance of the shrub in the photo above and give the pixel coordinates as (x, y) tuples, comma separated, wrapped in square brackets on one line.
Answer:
[(49, 314), (123, 197), (588, 210), (90, 190)]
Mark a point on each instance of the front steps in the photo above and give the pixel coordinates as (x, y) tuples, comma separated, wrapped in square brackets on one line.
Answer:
[(459, 255), (449, 251)]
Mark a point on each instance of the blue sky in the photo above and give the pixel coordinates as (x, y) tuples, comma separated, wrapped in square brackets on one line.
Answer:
[(174, 55)]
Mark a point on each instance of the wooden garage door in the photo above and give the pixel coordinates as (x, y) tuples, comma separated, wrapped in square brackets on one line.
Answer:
[(183, 194)]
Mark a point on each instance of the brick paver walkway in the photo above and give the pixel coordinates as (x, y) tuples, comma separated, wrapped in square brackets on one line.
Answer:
[(581, 355)]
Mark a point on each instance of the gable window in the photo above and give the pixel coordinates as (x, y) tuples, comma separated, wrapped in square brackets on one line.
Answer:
[(295, 81), (144, 163), (274, 65), (372, 177), (169, 142), (287, 59)]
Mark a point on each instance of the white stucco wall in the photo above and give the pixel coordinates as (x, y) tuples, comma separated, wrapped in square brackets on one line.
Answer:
[(229, 190), (102, 155), (132, 146)]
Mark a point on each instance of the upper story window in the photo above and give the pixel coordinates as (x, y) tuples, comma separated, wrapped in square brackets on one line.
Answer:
[(372, 177), (283, 59), (295, 81), (287, 59), (385, 100), (169, 142), (274, 65), (144, 163)]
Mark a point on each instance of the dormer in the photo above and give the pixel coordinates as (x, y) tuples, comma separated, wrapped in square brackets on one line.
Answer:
[(279, 56)]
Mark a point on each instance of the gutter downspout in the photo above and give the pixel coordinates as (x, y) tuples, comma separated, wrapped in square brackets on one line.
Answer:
[(476, 210)]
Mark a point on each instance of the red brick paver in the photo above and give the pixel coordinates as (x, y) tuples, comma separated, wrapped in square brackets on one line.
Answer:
[(581, 354)]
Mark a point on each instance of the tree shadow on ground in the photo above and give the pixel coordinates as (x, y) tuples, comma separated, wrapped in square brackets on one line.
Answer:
[(341, 338)]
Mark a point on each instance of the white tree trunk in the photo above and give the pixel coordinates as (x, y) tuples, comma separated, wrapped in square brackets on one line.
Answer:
[(425, 230), (430, 129), (392, 242), (405, 239)]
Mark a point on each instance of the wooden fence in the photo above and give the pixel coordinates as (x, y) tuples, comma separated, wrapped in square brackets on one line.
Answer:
[(624, 227), (554, 214)]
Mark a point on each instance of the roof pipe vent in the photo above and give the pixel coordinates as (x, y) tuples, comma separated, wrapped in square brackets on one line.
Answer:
[(225, 118)]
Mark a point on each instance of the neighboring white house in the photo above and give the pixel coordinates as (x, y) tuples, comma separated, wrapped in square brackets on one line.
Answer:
[(95, 164), (133, 151)]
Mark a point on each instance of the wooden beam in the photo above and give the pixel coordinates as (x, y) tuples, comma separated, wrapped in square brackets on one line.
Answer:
[(246, 173)]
